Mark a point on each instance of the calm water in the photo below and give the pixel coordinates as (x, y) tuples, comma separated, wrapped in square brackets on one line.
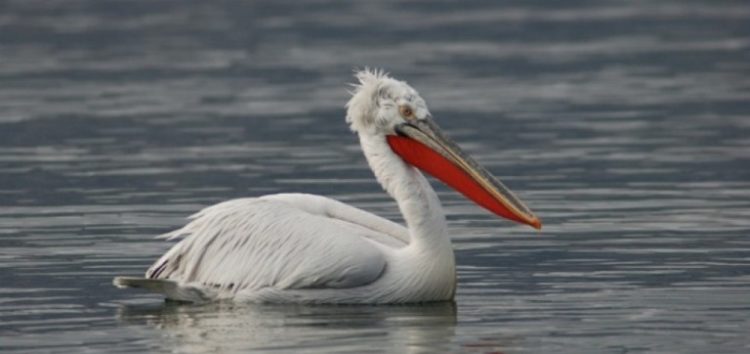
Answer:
[(624, 125)]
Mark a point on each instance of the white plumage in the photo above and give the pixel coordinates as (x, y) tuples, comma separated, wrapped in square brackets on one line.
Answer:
[(310, 249)]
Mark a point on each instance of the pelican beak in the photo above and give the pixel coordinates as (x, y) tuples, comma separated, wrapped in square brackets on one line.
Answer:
[(422, 144)]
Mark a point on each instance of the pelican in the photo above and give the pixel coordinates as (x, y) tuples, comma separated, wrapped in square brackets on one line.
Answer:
[(302, 248)]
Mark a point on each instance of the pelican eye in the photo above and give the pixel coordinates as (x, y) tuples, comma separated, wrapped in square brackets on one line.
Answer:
[(406, 112)]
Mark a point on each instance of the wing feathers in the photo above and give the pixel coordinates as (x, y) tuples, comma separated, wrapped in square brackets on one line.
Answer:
[(253, 243)]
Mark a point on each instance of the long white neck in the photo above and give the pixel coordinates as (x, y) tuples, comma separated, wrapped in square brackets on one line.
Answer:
[(418, 202)]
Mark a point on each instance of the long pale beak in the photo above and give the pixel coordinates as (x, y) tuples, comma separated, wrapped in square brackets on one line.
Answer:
[(421, 144)]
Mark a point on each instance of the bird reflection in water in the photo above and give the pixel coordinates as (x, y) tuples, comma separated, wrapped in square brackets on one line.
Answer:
[(230, 327)]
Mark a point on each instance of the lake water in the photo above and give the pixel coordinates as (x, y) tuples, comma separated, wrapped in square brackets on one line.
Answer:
[(624, 125)]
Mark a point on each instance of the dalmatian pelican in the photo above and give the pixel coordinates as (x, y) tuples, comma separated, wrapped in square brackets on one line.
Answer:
[(302, 248)]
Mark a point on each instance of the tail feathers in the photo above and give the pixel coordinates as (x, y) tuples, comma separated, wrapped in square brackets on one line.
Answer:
[(171, 289)]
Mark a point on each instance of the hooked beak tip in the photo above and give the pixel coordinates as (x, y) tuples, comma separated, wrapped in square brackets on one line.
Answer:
[(536, 223)]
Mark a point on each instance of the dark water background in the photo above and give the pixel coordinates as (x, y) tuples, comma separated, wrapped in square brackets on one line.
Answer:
[(624, 124)]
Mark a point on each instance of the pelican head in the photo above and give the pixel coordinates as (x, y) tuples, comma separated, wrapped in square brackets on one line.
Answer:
[(380, 103), (382, 106)]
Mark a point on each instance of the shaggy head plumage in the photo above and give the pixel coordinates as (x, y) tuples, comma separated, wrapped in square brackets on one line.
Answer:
[(378, 101)]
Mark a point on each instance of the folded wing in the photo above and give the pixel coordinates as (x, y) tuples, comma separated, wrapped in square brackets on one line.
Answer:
[(289, 241)]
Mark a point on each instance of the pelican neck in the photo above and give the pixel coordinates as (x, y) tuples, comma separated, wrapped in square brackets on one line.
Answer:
[(416, 199)]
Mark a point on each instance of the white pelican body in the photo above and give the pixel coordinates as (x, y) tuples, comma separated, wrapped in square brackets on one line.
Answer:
[(300, 248)]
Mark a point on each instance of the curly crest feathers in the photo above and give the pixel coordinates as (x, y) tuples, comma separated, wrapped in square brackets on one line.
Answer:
[(361, 107)]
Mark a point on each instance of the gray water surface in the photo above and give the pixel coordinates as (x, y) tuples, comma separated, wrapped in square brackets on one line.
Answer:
[(624, 125)]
